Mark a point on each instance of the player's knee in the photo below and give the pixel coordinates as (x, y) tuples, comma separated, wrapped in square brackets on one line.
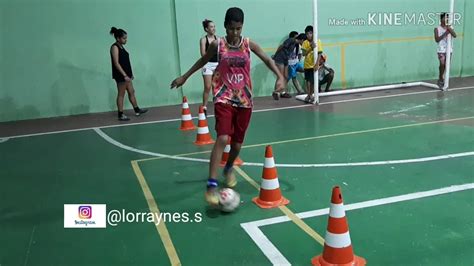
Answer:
[(222, 140)]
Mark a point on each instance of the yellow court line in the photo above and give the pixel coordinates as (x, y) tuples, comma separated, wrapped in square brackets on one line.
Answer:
[(419, 38), (343, 66), (305, 227), (293, 217), (247, 177), (161, 227), (328, 136)]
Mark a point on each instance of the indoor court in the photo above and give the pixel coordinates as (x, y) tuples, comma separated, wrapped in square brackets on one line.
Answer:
[(401, 157)]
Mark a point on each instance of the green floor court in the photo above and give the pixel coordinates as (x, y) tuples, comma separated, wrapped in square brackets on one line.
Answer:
[(419, 147)]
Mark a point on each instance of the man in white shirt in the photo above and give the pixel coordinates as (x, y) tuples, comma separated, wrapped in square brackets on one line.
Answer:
[(326, 74), (441, 34)]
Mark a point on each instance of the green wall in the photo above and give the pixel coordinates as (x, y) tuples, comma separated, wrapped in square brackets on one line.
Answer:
[(468, 44), (54, 54)]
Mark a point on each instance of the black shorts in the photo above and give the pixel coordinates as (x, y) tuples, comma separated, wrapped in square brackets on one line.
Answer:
[(280, 60), (324, 80), (119, 79), (309, 75)]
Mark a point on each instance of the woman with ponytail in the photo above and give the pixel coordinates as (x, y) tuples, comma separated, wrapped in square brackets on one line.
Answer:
[(210, 67), (122, 73)]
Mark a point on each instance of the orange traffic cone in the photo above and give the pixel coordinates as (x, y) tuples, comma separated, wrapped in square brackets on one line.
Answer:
[(225, 155), (270, 193), (203, 136), (186, 118), (337, 244)]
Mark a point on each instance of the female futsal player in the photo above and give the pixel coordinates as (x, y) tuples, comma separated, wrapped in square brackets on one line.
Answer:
[(232, 89)]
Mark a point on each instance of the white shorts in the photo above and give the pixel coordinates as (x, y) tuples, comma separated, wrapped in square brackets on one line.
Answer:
[(209, 68)]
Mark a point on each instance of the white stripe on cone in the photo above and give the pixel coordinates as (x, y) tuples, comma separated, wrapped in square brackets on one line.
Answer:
[(186, 117), (270, 184), (337, 211), (185, 105), (227, 148), (338, 240), (269, 163), (202, 116), (203, 130)]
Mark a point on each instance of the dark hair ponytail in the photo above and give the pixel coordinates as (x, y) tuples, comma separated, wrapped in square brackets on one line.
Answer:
[(118, 33), (205, 23)]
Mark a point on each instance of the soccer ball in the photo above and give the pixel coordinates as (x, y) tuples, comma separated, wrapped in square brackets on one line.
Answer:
[(229, 199)]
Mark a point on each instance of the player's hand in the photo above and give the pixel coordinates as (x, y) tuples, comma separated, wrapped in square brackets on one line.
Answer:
[(127, 79), (280, 84), (178, 82)]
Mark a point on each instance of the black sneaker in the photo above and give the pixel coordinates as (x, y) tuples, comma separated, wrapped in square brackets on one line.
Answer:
[(140, 111), (123, 118), (440, 83), (309, 99), (276, 96)]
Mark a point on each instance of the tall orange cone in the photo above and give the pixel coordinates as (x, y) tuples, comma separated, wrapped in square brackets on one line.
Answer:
[(225, 155), (270, 193), (337, 244), (186, 118), (203, 136)]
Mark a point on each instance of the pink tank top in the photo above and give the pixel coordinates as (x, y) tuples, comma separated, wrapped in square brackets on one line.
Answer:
[(231, 80)]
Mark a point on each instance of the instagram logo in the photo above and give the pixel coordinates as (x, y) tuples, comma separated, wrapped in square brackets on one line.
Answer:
[(85, 212), (80, 215)]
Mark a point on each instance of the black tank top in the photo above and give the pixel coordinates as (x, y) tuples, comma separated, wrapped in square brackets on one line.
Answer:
[(214, 58), (124, 61)]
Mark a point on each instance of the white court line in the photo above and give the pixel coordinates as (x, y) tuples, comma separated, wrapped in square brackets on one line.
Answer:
[(277, 258), (254, 111), (265, 245), (405, 161), (182, 158), (3, 140), (92, 128), (390, 96), (125, 147)]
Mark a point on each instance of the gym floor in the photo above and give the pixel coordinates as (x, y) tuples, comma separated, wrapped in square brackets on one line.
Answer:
[(403, 159)]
